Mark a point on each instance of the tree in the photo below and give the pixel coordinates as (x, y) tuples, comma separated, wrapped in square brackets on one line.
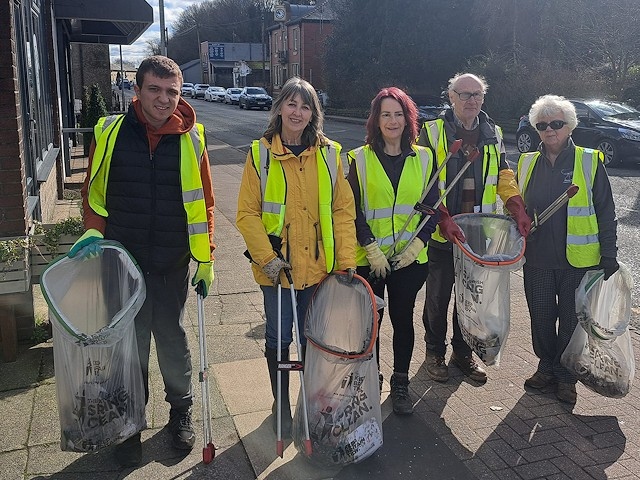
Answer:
[(93, 107)]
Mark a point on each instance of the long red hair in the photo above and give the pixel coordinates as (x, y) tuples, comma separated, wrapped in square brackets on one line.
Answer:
[(410, 110)]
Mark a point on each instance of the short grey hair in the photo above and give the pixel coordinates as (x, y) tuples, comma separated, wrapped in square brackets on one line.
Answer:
[(458, 76), (550, 105)]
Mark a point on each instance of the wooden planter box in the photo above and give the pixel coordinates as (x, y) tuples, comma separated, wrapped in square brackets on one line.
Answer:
[(15, 277), (41, 256)]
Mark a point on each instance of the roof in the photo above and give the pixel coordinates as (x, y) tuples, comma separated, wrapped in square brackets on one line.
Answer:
[(119, 22)]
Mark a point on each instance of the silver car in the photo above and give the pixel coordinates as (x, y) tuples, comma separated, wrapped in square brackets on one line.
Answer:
[(232, 96)]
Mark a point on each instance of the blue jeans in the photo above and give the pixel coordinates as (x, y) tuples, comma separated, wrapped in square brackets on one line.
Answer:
[(303, 297)]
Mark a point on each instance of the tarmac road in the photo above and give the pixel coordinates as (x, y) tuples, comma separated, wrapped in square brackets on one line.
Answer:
[(237, 128)]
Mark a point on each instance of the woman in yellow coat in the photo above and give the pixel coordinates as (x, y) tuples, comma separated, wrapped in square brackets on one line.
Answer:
[(294, 200)]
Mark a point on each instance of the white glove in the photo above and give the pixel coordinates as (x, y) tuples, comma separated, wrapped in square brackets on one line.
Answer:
[(273, 269), (408, 255), (378, 262)]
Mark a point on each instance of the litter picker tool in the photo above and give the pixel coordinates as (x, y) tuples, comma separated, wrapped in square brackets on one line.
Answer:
[(553, 207), (289, 365), (208, 450), (470, 158), (420, 207)]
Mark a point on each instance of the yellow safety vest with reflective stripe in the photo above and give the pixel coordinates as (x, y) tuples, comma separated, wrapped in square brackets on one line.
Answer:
[(273, 187), (386, 211), (106, 133), (490, 166), (583, 245)]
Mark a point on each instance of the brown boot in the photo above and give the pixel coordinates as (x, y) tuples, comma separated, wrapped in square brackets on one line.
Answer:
[(436, 368), (470, 367), (567, 392), (539, 380)]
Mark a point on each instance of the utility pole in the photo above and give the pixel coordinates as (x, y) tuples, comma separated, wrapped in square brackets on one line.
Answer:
[(264, 82), (200, 53), (163, 31)]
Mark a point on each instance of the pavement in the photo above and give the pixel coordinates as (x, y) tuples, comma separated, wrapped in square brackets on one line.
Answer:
[(460, 430)]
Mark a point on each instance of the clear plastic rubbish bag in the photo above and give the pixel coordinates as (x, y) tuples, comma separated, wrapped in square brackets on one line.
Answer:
[(600, 351), (340, 374), (93, 302), (493, 248)]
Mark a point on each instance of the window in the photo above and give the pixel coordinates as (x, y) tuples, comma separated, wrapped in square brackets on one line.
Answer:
[(296, 39), (36, 99), (295, 69)]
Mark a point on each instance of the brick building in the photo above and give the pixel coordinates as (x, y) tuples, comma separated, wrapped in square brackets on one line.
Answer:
[(36, 104), (297, 44)]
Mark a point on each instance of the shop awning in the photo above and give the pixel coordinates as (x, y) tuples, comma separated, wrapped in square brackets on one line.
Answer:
[(111, 22)]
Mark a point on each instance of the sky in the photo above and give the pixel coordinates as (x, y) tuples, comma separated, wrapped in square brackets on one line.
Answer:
[(138, 50)]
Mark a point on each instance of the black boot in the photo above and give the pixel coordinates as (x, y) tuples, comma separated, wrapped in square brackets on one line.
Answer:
[(400, 398), (272, 362)]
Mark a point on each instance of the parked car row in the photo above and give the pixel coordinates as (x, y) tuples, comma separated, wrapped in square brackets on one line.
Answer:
[(611, 127), (247, 97)]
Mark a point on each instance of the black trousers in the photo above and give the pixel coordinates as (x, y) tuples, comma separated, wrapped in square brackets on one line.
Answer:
[(440, 282), (402, 289), (162, 314), (551, 297)]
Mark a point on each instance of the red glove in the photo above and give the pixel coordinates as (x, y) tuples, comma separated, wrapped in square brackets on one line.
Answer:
[(448, 228), (516, 208)]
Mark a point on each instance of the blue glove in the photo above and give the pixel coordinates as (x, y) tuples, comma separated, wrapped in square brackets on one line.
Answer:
[(203, 278), (87, 239)]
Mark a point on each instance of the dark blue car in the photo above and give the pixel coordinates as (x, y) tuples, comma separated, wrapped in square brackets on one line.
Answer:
[(611, 127)]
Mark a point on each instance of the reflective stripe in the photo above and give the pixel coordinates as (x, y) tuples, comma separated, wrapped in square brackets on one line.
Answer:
[(490, 208), (271, 207), (193, 195), (492, 180), (581, 211), (379, 213), (196, 228), (582, 239)]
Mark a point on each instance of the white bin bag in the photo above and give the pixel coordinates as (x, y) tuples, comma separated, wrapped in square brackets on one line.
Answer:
[(340, 374), (93, 302), (482, 265), (600, 351)]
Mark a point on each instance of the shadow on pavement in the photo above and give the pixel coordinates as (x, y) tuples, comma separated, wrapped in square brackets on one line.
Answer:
[(541, 437)]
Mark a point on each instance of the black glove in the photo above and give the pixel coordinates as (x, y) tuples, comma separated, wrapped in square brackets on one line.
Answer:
[(609, 265)]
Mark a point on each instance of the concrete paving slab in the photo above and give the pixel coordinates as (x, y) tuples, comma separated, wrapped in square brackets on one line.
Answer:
[(16, 406), (45, 422), (12, 463)]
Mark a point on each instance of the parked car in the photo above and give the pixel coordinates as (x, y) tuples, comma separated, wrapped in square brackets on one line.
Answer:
[(215, 94), (125, 84), (186, 89), (430, 112), (199, 89), (611, 127), (232, 96), (255, 97)]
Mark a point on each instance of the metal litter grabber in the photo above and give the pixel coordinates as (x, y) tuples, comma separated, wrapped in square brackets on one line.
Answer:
[(553, 207), (470, 159), (419, 206), (208, 450), (288, 365)]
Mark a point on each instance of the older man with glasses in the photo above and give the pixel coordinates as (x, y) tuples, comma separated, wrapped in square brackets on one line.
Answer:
[(477, 191)]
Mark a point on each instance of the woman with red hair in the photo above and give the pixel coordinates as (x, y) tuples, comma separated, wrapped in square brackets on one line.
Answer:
[(388, 176)]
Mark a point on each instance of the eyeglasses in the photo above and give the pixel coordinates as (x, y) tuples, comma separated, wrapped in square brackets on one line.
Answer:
[(464, 96), (554, 124)]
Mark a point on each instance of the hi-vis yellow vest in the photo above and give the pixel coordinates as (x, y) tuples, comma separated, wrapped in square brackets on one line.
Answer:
[(583, 246), (106, 133), (274, 192), (490, 165), (385, 211)]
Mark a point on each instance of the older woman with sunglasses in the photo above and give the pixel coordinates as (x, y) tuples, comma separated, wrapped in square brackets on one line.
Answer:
[(577, 238)]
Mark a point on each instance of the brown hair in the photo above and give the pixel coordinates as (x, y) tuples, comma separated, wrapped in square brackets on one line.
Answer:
[(313, 132), (160, 66)]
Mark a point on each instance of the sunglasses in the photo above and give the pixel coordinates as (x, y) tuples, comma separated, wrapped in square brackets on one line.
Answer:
[(555, 125)]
